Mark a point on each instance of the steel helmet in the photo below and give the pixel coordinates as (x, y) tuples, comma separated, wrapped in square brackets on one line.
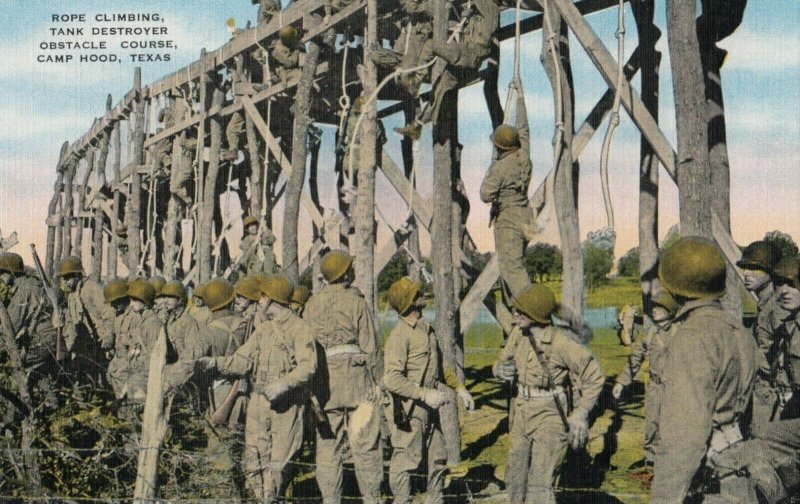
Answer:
[(335, 264), (537, 302), (694, 268), (788, 269), (70, 265), (288, 35), (142, 290), (116, 289), (506, 137), (759, 255), (248, 288), (158, 283), (11, 262), (218, 294), (300, 295), (402, 294), (278, 288), (249, 220), (173, 289)]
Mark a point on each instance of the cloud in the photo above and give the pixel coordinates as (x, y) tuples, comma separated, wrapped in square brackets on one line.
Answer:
[(762, 51)]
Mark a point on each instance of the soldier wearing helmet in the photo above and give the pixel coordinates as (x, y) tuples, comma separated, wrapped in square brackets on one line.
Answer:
[(267, 9), (31, 317), (158, 283), (197, 307), (286, 56), (88, 320), (413, 373), (757, 263), (708, 374), (136, 330), (280, 360), (346, 387), (300, 297), (351, 148), (653, 344), (256, 255), (505, 187), (248, 294), (183, 330), (541, 358)]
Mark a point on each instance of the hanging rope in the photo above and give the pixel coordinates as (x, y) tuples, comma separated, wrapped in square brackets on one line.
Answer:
[(265, 178), (517, 37), (551, 35), (613, 121)]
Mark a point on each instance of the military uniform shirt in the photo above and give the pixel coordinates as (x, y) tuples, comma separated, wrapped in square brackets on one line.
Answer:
[(653, 344), (481, 26), (769, 318)]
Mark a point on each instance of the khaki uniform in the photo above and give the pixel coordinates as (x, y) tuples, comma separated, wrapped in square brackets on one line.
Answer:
[(88, 327), (287, 62), (653, 345), (505, 186), (538, 439), (413, 363), (200, 313), (771, 381), (267, 8), (135, 335), (258, 258), (625, 319), (280, 350), (343, 327), (708, 375), (354, 140)]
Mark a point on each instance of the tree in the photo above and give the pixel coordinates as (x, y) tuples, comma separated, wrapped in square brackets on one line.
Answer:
[(394, 271), (597, 264), (543, 261), (783, 241), (628, 264)]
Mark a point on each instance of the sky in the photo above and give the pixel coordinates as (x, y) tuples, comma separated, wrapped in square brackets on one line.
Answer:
[(44, 104)]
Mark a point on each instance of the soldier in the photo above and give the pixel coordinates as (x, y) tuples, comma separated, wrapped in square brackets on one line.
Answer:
[(352, 147), (505, 186), (198, 308), (267, 9), (225, 333), (183, 330), (653, 345), (463, 57), (31, 317), (158, 283), (256, 255), (625, 322), (136, 330), (88, 320), (343, 327), (413, 374), (542, 357), (248, 293), (280, 359), (286, 55), (757, 262), (708, 375), (299, 299)]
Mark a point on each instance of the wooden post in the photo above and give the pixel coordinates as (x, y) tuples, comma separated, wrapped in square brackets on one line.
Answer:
[(77, 245), (133, 212), (256, 167), (566, 169), (407, 147), (490, 89), (52, 210), (67, 211), (208, 203), (716, 23), (445, 140), (364, 212), (175, 208), (99, 216), (112, 256), (694, 177), (648, 35), (294, 187)]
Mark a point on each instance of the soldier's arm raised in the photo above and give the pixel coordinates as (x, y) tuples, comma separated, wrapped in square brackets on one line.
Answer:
[(686, 422), (522, 121)]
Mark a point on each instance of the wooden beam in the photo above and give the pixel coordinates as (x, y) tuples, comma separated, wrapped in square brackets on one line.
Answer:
[(422, 207), (283, 161)]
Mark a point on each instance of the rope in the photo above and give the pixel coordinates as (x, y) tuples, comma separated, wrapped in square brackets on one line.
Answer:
[(517, 37), (266, 164), (551, 35), (613, 121)]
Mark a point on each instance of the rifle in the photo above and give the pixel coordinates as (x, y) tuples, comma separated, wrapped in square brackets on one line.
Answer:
[(220, 416), (51, 292), (323, 424)]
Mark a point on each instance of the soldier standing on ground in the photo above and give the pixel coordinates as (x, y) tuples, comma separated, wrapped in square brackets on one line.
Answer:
[(757, 262), (543, 358), (88, 320), (653, 345), (198, 308), (280, 359), (248, 293), (347, 384), (413, 373), (505, 186), (708, 375)]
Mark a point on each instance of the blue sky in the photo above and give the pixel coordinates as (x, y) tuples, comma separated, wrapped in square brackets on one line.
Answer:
[(46, 104)]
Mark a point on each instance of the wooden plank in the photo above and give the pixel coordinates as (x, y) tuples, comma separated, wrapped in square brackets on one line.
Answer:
[(285, 164), (334, 20), (308, 258), (387, 251), (473, 301), (422, 207)]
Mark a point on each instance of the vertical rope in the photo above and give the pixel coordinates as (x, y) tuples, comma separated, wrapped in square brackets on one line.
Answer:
[(517, 37), (551, 35)]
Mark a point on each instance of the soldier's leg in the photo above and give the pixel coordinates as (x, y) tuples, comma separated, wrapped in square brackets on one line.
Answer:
[(257, 446), (766, 408), (510, 245), (732, 487), (652, 404), (233, 131), (406, 457), (330, 459), (364, 435), (448, 51), (519, 454), (547, 451), (437, 465), (287, 438)]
